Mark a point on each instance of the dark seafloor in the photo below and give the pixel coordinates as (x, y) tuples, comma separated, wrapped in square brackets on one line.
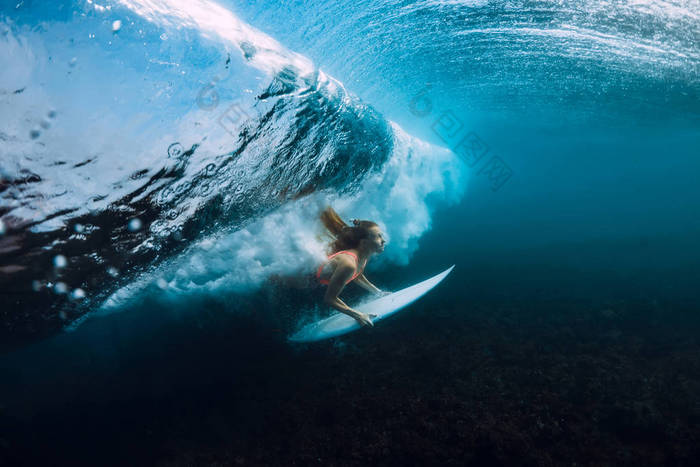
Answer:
[(522, 374)]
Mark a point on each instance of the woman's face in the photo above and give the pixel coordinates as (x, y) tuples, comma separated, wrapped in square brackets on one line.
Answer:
[(376, 239)]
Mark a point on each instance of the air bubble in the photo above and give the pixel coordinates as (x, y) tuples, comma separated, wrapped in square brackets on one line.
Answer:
[(51, 114), (135, 224), (73, 61), (175, 150), (45, 124), (112, 271), (60, 287), (116, 26), (77, 294), (162, 284), (164, 36), (60, 261), (36, 286), (34, 133), (79, 228)]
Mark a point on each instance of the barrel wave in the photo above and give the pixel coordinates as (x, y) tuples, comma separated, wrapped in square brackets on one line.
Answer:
[(142, 132)]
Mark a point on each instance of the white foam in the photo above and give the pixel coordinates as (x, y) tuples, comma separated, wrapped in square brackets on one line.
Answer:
[(397, 196)]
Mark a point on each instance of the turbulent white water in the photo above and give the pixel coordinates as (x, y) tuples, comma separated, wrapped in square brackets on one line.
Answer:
[(291, 241)]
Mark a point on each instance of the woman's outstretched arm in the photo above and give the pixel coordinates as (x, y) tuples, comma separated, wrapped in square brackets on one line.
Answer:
[(343, 272), (363, 282)]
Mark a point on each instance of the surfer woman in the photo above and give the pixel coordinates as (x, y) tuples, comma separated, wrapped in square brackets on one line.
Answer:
[(352, 248)]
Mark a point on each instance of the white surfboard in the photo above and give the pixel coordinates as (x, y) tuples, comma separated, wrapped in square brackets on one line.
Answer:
[(340, 323)]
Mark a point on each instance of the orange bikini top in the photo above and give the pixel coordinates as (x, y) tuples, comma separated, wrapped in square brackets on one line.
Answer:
[(325, 281)]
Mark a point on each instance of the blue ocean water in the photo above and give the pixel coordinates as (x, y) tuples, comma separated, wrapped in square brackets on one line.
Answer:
[(162, 161)]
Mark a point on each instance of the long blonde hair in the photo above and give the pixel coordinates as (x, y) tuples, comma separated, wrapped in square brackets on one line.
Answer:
[(346, 236)]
